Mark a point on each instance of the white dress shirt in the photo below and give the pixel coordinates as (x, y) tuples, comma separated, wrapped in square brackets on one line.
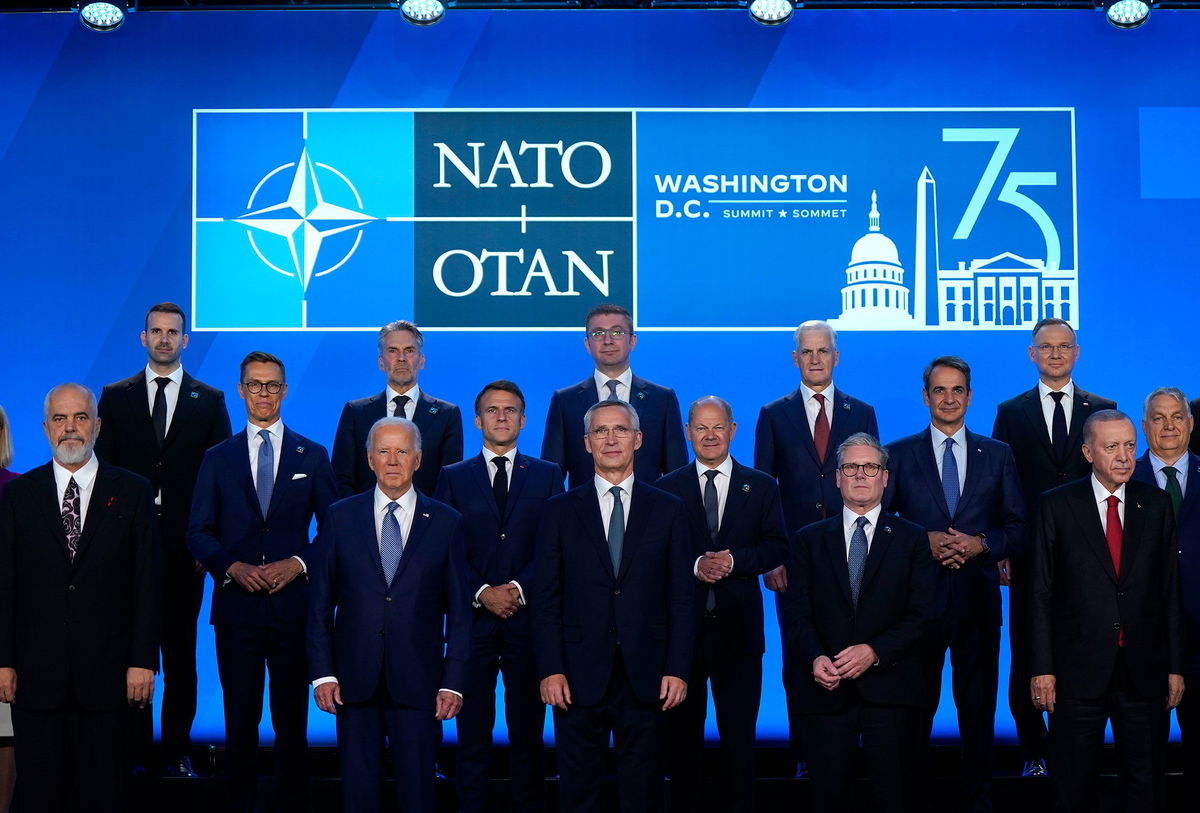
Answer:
[(624, 383), (606, 499), (812, 406), (410, 407), (1102, 494), (404, 515), (721, 482), (850, 523), (511, 457), (1180, 467), (938, 438), (85, 478), (1068, 403), (255, 441), (170, 391)]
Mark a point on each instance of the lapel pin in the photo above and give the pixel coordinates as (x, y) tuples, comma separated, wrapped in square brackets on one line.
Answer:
[(1085, 403), (433, 410), (846, 405), (641, 395), (195, 394), (746, 487), (110, 502), (300, 449), (425, 515), (887, 529), (1137, 505)]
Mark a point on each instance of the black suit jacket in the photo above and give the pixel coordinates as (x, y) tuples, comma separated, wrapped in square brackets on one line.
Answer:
[(71, 630), (783, 448), (582, 610), (895, 611), (1020, 424), (127, 439), (1079, 604), (752, 531), (440, 423), (1188, 542), (663, 447)]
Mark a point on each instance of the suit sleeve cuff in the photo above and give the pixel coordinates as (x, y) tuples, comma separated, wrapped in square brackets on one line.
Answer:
[(319, 681), (696, 566), (475, 602), (451, 692)]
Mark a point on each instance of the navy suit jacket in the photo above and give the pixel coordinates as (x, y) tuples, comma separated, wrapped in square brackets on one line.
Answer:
[(783, 448), (663, 447), (1188, 542), (227, 524), (1021, 424), (440, 423), (415, 632), (582, 610), (990, 504), (895, 611), (499, 549), (752, 531)]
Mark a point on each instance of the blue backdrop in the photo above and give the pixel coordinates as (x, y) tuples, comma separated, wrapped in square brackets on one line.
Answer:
[(1042, 159)]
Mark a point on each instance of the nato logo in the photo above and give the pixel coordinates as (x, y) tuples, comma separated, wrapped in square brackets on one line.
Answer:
[(302, 219)]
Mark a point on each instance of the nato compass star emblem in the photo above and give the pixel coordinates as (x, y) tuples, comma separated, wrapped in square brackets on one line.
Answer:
[(304, 220)]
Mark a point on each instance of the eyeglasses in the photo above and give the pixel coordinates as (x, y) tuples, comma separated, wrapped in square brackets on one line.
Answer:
[(255, 387), (852, 469), (602, 432), (1048, 349), (599, 333)]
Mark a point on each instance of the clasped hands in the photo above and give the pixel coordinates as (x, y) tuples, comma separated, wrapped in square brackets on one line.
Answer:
[(953, 548), (271, 577), (503, 601), (848, 664), (714, 566)]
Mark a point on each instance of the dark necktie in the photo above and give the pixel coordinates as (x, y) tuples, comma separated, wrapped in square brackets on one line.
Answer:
[(1112, 534), (71, 518), (1173, 489), (159, 413), (950, 477), (712, 514), (612, 390), (1058, 428), (266, 471), (500, 483), (391, 544), (616, 529), (401, 401), (857, 559), (821, 428)]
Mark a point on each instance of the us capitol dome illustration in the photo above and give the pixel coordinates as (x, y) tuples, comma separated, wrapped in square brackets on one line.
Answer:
[(875, 296)]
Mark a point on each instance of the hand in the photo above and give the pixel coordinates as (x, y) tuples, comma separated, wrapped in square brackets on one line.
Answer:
[(965, 545), (555, 691), (1174, 690), (328, 696), (941, 545), (249, 577), (8, 684), (139, 686), (502, 601), (199, 566), (448, 705), (673, 690), (1041, 688), (280, 573), (824, 673), (776, 579), (854, 660), (1005, 568), (714, 566)]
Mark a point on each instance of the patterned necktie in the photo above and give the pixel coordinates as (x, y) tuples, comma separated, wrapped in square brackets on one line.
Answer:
[(616, 529), (612, 390), (1058, 427), (266, 471), (159, 413), (857, 559), (71, 518), (401, 401), (1173, 489), (821, 428), (950, 477), (1112, 535), (712, 514), (500, 483), (390, 543)]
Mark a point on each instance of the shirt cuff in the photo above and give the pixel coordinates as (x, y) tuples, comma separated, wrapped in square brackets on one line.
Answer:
[(696, 567), (319, 681), (452, 692), (520, 592), (475, 602), (303, 567)]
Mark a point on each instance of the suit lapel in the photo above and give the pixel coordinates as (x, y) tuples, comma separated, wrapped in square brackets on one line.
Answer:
[(53, 513), (735, 501), (635, 523), (1131, 536), (1191, 495), (291, 455), (185, 408), (516, 483), (239, 447), (592, 521), (842, 410), (637, 394), (1087, 517), (422, 517), (799, 416), (139, 407), (367, 535), (1031, 407), (1081, 408), (835, 550), (479, 474), (880, 543), (975, 467), (103, 492), (929, 470)]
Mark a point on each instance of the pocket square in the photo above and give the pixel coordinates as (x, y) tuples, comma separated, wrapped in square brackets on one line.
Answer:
[(299, 476)]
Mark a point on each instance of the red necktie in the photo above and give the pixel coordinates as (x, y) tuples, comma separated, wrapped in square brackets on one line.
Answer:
[(821, 428), (1112, 533)]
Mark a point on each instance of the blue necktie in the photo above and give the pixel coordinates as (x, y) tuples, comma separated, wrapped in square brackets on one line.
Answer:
[(266, 471), (857, 560), (950, 477), (390, 543), (616, 529), (612, 390)]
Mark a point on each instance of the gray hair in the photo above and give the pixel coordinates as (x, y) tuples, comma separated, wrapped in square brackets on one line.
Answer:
[(1170, 392), (816, 324), (625, 405), (401, 324), (6, 447), (1103, 416), (91, 398), (710, 399), (384, 423), (863, 439)]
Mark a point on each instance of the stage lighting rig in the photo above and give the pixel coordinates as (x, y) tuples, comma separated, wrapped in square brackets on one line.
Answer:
[(102, 17), (423, 12), (771, 12), (1125, 14)]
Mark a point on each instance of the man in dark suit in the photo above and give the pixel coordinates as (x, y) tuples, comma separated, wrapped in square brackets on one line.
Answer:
[(795, 441), (609, 338), (963, 489), (158, 423), (860, 600), (1107, 623), (79, 614), (613, 619), (388, 628), (737, 535), (1044, 428), (256, 495), (501, 494), (1167, 424), (401, 358)]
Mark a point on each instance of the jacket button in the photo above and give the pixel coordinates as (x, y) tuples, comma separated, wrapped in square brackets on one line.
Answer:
[(617, 592), (822, 475), (1120, 594), (389, 598), (503, 537), (1116, 626), (71, 587), (612, 630), (820, 506)]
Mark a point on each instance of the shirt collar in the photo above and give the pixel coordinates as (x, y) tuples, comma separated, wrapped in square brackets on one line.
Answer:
[(275, 429), (413, 393), (808, 392), (725, 468), (408, 500), (939, 437), (83, 477), (175, 375), (603, 486), (510, 456), (602, 380), (1044, 391), (1101, 493), (1158, 464), (850, 518)]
